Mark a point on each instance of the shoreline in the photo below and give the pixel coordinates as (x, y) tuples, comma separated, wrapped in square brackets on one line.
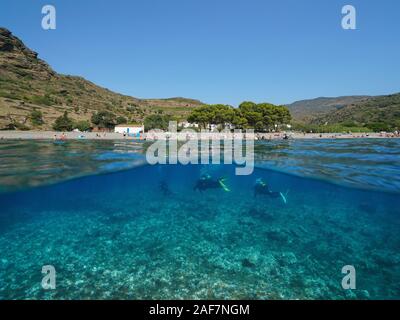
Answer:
[(52, 135)]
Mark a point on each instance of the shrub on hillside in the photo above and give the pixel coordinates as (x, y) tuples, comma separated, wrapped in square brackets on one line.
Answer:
[(104, 119), (63, 123), (122, 120), (82, 125), (36, 118)]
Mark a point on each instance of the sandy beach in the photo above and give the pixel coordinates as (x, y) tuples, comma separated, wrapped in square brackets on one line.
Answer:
[(51, 135)]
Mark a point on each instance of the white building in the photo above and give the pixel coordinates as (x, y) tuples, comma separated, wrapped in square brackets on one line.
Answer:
[(129, 129), (186, 125)]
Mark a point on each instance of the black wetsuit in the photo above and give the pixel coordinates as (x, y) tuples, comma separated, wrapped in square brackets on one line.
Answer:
[(206, 183), (262, 189)]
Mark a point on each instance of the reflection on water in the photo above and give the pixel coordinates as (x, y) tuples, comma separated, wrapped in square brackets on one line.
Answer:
[(365, 163), (33, 163)]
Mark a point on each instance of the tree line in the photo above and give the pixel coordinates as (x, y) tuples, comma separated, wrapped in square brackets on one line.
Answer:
[(101, 119), (260, 117)]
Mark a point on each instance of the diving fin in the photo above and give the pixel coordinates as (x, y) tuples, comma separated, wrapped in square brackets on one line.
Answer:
[(223, 185), (283, 198)]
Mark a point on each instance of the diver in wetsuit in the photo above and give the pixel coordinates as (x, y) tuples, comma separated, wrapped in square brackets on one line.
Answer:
[(164, 188), (261, 188), (207, 182)]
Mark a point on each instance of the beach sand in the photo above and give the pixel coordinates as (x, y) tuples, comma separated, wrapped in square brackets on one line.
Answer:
[(50, 135)]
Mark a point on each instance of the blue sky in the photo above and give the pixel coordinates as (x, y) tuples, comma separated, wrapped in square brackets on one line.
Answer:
[(218, 51)]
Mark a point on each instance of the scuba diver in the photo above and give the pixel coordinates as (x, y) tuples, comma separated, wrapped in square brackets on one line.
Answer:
[(207, 182), (164, 188), (261, 188)]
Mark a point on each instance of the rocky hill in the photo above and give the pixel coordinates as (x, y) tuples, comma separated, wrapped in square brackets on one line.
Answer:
[(376, 113), (379, 113), (28, 83), (307, 110)]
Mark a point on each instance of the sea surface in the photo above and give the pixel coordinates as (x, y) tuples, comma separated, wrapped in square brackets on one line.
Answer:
[(115, 227)]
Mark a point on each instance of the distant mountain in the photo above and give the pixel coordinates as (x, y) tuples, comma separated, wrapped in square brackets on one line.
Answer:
[(377, 113), (28, 83), (307, 110)]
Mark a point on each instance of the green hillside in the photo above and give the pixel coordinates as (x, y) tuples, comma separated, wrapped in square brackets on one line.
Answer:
[(307, 110), (351, 113), (378, 114)]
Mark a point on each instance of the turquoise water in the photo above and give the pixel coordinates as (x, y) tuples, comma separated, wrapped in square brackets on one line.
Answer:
[(115, 228)]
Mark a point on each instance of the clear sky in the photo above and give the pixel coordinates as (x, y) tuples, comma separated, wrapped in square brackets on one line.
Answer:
[(218, 51)]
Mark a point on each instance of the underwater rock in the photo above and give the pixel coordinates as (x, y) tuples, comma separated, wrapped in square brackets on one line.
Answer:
[(350, 295), (234, 238), (247, 263), (277, 235), (367, 207), (261, 214), (298, 282), (364, 294), (4, 264), (247, 221), (119, 217), (115, 234), (387, 260), (287, 258)]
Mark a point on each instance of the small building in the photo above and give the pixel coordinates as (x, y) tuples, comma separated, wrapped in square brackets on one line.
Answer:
[(185, 125), (130, 129)]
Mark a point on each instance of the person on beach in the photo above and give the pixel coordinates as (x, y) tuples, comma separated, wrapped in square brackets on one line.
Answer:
[(262, 189)]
